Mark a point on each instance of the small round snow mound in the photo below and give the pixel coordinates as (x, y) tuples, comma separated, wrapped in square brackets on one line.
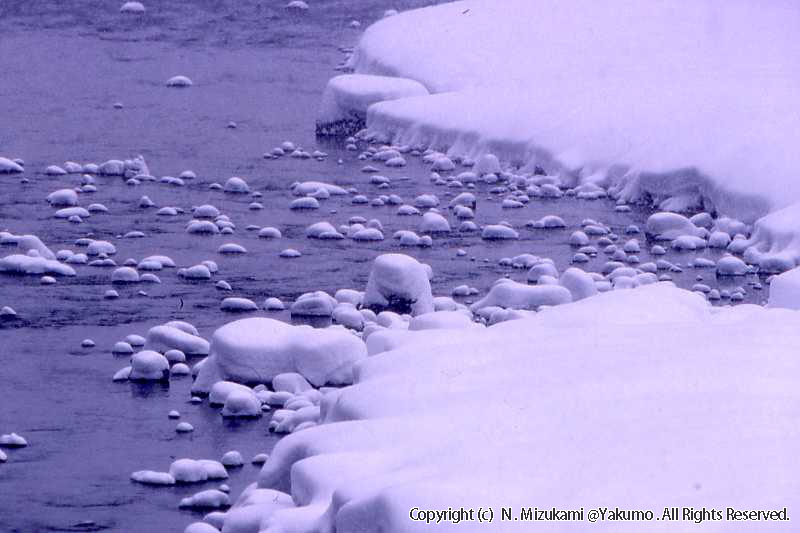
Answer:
[(232, 458), (731, 266), (7, 166), (63, 198), (12, 440), (122, 348), (668, 226), (368, 234), (231, 248), (260, 459), (549, 222), (179, 81), (269, 233), (238, 305), (184, 427), (149, 365), (125, 275), (241, 403), (434, 223), (498, 232), (274, 304), (236, 185), (297, 6), (318, 303), (207, 499), (290, 253), (135, 8), (195, 272), (307, 202), (149, 477)]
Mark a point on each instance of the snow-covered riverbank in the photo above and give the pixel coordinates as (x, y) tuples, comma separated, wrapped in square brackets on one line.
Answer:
[(691, 106), (634, 398)]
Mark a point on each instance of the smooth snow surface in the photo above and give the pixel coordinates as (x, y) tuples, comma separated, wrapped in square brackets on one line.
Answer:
[(700, 97), (784, 291), (608, 401)]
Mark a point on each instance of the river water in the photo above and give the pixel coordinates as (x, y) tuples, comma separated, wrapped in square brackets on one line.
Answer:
[(63, 66)]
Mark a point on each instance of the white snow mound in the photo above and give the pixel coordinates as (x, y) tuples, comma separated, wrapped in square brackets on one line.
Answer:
[(255, 350)]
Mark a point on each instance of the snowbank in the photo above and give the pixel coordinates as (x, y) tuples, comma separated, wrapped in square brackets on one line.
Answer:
[(609, 401), (700, 114)]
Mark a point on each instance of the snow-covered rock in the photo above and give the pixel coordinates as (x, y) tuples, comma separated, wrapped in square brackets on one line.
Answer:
[(236, 185), (26, 243), (317, 303), (579, 283), (304, 203), (311, 188), (434, 223), (274, 304), (207, 499), (238, 305), (149, 365), (150, 477), (125, 275), (179, 81), (13, 440), (7, 166), (255, 350), (399, 282), (63, 198), (510, 294), (171, 336), (34, 265), (669, 226), (241, 404), (494, 232), (731, 266), (136, 8)]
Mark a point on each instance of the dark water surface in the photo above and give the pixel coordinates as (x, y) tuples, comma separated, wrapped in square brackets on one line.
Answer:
[(62, 67)]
